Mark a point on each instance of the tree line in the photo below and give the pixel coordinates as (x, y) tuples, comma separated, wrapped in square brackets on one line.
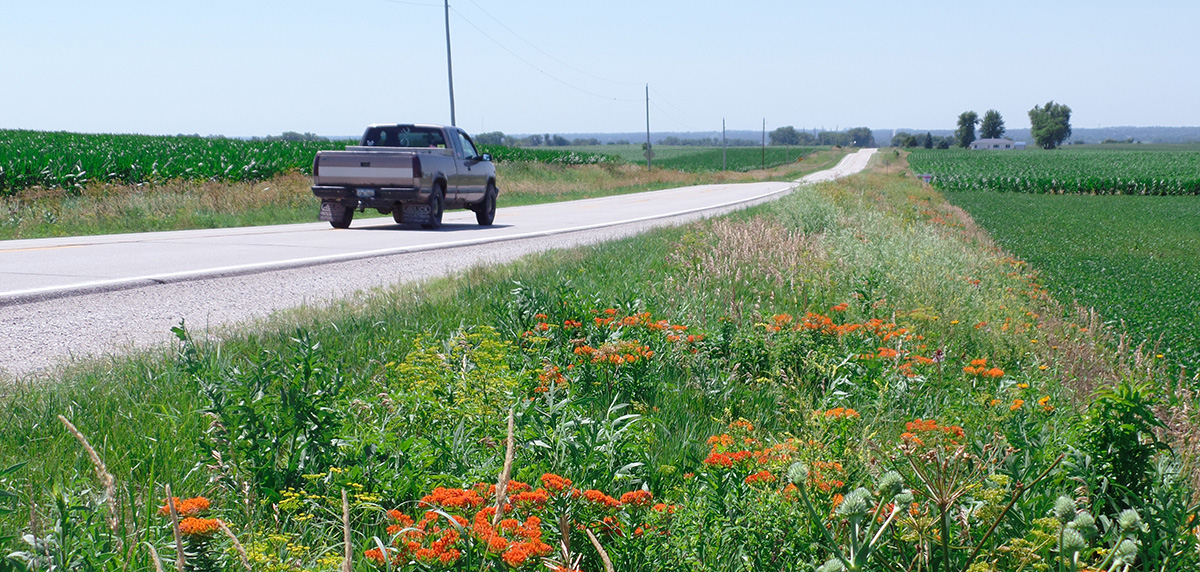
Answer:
[(855, 137), (1050, 125)]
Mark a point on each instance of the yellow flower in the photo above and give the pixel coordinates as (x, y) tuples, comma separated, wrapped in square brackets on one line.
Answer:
[(1043, 367), (1022, 385)]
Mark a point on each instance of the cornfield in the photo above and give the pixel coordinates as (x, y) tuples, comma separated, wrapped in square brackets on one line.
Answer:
[(1065, 171), (66, 160), (50, 160)]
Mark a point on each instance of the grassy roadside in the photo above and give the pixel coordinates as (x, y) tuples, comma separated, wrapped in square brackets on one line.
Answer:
[(749, 372), (182, 204)]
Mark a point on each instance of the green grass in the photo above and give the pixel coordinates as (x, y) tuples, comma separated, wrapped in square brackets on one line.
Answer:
[(721, 346), (1135, 259), (1087, 169)]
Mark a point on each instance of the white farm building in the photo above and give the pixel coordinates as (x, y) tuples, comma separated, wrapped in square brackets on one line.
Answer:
[(997, 144)]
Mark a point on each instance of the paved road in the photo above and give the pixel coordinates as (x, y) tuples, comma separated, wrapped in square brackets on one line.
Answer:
[(81, 296)]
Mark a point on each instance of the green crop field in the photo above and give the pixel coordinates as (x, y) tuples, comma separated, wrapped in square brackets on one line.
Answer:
[(1135, 259), (72, 160), (701, 159), (1084, 170)]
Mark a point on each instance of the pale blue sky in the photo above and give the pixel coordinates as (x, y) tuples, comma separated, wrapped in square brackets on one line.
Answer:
[(258, 67)]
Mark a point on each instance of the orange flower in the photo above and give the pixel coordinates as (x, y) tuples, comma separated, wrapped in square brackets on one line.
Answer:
[(192, 526), (637, 498), (994, 372), (555, 483), (760, 477), (188, 507), (1016, 404)]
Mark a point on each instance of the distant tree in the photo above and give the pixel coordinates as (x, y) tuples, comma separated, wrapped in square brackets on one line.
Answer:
[(785, 136), (928, 140), (992, 126), (965, 134), (535, 140), (861, 137), (588, 141), (904, 139), (622, 142), (1050, 125), (835, 138), (943, 143), (558, 141), (490, 138)]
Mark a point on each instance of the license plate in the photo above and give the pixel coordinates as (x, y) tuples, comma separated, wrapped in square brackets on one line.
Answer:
[(331, 211), (366, 193), (416, 214)]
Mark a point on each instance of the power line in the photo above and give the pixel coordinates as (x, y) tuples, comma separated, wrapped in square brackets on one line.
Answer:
[(677, 108), (528, 63), (548, 54), (668, 114), (413, 3)]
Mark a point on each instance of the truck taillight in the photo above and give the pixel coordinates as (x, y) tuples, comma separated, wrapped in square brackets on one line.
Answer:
[(416, 166), (316, 165)]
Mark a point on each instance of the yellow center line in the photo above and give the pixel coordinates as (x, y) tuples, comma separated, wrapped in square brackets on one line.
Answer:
[(43, 248)]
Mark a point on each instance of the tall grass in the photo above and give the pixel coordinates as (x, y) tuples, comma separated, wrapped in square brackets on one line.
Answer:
[(821, 332)]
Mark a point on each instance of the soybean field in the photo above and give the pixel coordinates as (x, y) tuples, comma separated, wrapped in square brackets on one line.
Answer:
[(1065, 171)]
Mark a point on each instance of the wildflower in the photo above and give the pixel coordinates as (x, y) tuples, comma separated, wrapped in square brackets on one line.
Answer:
[(555, 483), (1016, 404), (760, 477), (995, 372), (841, 307), (596, 497), (856, 503), (719, 460), (453, 498), (376, 555), (192, 526), (742, 424), (188, 507), (637, 498)]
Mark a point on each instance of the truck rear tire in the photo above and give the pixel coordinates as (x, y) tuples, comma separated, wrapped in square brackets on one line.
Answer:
[(485, 213), (344, 220), (437, 204)]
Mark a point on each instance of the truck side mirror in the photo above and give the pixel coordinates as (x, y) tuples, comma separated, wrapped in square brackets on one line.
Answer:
[(486, 157)]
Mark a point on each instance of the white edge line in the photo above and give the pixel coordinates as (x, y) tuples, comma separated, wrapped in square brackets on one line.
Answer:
[(99, 286)]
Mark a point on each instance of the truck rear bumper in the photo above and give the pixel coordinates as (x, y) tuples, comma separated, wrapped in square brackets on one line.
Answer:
[(384, 198)]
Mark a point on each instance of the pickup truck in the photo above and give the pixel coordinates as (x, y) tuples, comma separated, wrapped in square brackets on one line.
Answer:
[(414, 172)]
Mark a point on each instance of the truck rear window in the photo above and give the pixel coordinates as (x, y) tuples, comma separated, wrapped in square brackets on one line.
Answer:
[(404, 136)]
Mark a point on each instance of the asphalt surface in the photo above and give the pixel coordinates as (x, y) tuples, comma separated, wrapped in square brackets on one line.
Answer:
[(65, 299)]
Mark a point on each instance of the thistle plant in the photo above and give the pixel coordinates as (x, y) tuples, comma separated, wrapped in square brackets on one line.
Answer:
[(863, 537)]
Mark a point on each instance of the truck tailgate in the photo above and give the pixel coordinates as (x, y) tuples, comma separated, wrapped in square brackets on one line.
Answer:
[(364, 169)]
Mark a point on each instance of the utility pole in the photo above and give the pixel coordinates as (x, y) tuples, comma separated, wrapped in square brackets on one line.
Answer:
[(764, 144), (449, 64), (649, 151), (723, 166)]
